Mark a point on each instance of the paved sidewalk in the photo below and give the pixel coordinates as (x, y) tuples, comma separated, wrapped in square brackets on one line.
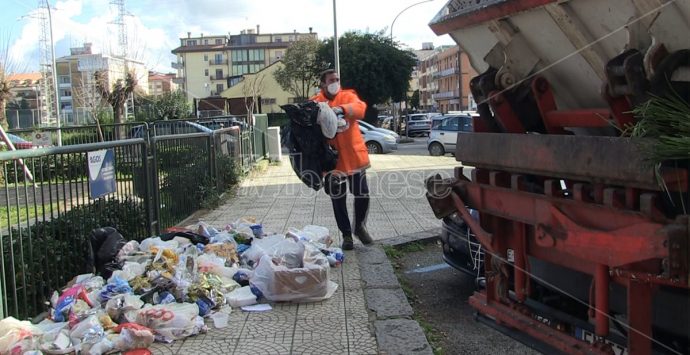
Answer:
[(344, 323)]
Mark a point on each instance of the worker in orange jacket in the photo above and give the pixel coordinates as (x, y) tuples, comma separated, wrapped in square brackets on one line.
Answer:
[(353, 159)]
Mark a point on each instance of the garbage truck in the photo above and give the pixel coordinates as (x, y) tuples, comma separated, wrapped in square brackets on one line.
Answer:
[(583, 239)]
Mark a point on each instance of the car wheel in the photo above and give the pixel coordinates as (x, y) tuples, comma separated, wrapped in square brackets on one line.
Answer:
[(374, 148), (436, 149)]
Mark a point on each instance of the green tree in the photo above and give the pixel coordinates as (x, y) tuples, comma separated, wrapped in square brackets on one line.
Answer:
[(169, 106), (414, 100), (373, 65), (300, 73)]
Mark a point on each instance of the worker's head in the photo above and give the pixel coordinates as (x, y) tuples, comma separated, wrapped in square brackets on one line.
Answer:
[(330, 83)]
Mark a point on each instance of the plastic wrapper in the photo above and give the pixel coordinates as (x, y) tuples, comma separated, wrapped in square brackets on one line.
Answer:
[(147, 243), (17, 336), (129, 271), (134, 338), (120, 304), (115, 286), (172, 321), (277, 282), (203, 228), (227, 251), (88, 331), (128, 249), (55, 338)]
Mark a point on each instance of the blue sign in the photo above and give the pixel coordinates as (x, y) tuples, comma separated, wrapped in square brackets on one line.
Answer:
[(101, 173)]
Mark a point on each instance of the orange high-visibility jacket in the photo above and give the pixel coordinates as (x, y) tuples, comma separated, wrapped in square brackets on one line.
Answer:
[(352, 152)]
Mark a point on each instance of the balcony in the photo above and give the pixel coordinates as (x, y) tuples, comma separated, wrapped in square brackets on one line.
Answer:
[(178, 80), (66, 98), (218, 62), (446, 72), (177, 65), (446, 95), (218, 77), (65, 85)]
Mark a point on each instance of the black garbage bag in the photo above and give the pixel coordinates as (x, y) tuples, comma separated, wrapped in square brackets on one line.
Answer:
[(194, 238), (310, 154), (104, 244)]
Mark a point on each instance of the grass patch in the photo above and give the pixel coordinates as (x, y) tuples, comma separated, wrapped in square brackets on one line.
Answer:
[(433, 335), (412, 247), (24, 213)]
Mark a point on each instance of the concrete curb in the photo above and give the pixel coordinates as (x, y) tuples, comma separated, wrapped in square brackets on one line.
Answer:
[(396, 332)]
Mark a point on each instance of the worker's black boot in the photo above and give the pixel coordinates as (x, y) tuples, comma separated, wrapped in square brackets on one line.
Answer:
[(363, 235), (348, 244)]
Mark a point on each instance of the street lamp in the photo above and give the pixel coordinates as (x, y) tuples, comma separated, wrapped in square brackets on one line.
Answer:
[(395, 122), (336, 49)]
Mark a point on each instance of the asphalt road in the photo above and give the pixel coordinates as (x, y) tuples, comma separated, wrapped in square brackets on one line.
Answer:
[(416, 148), (441, 299)]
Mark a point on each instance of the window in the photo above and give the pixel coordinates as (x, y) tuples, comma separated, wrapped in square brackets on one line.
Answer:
[(219, 88), (278, 40), (191, 42), (268, 101), (205, 72), (218, 58), (205, 57), (279, 54), (450, 124), (206, 42), (219, 73), (64, 79), (219, 41), (466, 124)]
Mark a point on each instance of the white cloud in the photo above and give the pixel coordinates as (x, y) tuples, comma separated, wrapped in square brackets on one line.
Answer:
[(154, 27)]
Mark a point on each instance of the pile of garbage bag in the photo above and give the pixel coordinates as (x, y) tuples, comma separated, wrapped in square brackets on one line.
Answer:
[(162, 288)]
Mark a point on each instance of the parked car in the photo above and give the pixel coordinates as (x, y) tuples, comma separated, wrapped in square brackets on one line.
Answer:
[(444, 133), (18, 142), (382, 130), (417, 124), (377, 142), (220, 122), (165, 128)]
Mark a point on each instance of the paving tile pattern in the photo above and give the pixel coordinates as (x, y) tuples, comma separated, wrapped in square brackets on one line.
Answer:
[(342, 324)]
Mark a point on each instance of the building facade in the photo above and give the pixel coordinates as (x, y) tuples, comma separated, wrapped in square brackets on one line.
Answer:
[(160, 83), (208, 65), (77, 90), (444, 83), (260, 87), (24, 109)]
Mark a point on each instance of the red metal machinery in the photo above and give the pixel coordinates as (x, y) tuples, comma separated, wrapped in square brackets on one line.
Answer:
[(584, 202)]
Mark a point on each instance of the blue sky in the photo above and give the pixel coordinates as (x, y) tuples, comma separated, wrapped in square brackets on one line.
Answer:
[(155, 26)]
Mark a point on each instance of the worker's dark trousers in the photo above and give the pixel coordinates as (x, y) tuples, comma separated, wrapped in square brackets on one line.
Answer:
[(336, 189)]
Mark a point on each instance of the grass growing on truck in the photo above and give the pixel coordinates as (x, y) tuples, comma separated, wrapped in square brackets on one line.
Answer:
[(666, 121)]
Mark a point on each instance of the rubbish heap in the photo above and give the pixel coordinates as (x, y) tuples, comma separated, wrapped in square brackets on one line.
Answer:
[(162, 288)]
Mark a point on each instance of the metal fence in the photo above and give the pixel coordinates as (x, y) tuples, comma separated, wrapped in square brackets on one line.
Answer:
[(48, 213)]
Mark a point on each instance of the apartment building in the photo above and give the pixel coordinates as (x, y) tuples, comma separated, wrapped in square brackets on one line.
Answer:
[(77, 92), (25, 106), (208, 65), (160, 83), (445, 81)]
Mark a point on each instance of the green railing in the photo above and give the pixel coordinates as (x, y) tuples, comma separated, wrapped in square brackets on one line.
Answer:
[(47, 218)]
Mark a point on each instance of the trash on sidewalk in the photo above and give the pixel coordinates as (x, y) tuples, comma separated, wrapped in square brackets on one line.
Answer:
[(162, 288), (257, 308)]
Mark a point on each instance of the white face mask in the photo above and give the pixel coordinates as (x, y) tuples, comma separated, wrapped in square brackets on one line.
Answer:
[(333, 88)]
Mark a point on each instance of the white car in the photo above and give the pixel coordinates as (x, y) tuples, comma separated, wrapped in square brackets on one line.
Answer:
[(444, 133)]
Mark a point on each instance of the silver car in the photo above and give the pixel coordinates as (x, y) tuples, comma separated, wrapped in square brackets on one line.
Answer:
[(377, 142), (444, 133), (371, 127)]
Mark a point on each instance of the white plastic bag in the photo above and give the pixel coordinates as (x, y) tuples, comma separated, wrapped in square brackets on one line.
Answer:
[(313, 234), (89, 331), (120, 304), (284, 251), (328, 120), (242, 296), (147, 243), (17, 336), (172, 321), (130, 338), (129, 271)]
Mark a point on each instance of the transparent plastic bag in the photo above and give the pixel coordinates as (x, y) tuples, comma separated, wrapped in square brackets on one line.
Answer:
[(134, 338), (17, 336), (120, 304), (284, 251), (279, 283), (171, 321), (328, 120)]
